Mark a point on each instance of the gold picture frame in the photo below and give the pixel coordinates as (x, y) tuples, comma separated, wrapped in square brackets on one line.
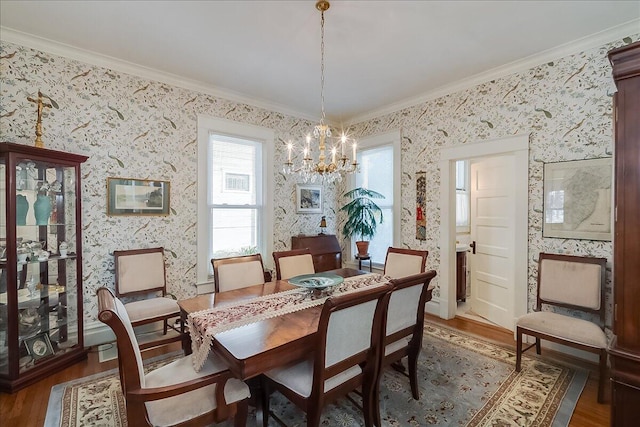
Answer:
[(130, 196)]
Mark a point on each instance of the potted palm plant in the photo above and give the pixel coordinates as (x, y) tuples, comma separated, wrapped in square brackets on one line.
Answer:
[(363, 216)]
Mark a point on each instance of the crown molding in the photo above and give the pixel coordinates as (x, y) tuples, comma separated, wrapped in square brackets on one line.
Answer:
[(61, 49), (573, 47)]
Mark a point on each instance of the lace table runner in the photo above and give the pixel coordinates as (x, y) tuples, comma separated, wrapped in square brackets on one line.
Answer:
[(204, 325)]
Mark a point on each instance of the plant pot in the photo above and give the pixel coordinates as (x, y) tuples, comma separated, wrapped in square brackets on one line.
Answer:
[(363, 247)]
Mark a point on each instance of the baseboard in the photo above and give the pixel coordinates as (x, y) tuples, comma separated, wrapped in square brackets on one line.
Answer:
[(432, 307), (96, 333)]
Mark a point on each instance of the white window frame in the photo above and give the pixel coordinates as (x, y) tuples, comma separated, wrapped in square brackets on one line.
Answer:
[(389, 138), (208, 125)]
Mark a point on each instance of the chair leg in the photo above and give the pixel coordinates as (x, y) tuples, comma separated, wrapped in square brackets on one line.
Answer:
[(240, 419), (538, 347), (313, 415), (518, 349), (413, 373), (264, 396), (375, 402), (166, 326), (603, 374)]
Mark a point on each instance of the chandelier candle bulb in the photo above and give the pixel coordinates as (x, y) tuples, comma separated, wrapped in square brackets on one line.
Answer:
[(354, 151), (344, 142), (289, 147), (333, 155)]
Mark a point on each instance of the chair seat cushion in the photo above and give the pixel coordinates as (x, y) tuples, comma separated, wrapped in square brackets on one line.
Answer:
[(183, 407), (152, 308), (565, 327), (298, 377)]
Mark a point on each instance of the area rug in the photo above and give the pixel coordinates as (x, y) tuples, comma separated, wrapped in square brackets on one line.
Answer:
[(464, 381)]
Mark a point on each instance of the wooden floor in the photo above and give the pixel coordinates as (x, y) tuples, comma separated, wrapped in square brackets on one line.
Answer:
[(28, 406)]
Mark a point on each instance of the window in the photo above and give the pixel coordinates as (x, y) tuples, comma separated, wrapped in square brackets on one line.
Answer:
[(462, 197), (379, 159), (234, 191)]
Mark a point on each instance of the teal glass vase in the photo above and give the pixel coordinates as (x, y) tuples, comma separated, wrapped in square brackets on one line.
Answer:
[(22, 208), (42, 210)]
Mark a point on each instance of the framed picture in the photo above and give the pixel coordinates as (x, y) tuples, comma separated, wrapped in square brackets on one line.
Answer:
[(39, 346), (577, 199), (308, 198), (127, 196)]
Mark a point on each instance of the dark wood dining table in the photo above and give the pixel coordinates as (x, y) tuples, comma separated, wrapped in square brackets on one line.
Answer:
[(266, 344)]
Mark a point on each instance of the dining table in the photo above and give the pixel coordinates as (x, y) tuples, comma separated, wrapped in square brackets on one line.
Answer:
[(265, 342), (257, 347)]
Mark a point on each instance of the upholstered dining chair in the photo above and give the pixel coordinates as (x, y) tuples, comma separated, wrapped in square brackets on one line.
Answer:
[(404, 262), (576, 283), (238, 272), (346, 357), (293, 263), (140, 273), (174, 394)]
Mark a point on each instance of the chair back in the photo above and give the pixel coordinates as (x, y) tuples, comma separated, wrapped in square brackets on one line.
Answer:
[(293, 263), (404, 262), (111, 311), (237, 272), (572, 281), (140, 271), (349, 332), (405, 315)]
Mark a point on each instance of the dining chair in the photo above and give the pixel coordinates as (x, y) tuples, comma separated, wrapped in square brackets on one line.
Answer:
[(238, 272), (404, 327), (404, 262), (293, 263), (575, 283), (140, 273), (174, 394), (346, 357)]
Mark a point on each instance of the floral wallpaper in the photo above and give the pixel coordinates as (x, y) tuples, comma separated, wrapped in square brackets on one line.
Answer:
[(565, 106), (137, 128)]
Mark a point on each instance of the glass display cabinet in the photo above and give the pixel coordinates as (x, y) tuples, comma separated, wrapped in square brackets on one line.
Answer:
[(40, 264)]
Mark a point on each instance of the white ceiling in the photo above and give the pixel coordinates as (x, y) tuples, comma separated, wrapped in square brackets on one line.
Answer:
[(377, 53)]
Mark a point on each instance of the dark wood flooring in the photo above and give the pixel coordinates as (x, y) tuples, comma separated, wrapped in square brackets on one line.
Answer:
[(28, 406)]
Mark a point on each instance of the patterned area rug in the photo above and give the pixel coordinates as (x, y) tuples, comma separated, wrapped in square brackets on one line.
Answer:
[(464, 381)]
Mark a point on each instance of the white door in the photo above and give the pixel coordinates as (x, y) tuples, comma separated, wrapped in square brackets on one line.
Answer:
[(493, 230)]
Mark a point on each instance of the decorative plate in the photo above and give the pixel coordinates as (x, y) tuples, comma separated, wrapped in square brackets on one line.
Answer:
[(316, 281)]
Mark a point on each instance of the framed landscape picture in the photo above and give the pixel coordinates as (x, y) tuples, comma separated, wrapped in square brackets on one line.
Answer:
[(127, 196), (308, 198), (577, 199)]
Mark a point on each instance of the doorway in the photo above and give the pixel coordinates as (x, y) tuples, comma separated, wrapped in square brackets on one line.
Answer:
[(499, 266)]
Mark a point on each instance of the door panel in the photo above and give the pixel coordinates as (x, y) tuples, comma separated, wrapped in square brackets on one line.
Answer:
[(492, 228)]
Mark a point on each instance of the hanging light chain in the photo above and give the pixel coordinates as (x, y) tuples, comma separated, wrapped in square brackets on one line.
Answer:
[(322, 66)]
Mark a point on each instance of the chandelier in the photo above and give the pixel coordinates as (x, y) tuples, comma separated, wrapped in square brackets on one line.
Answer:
[(322, 169)]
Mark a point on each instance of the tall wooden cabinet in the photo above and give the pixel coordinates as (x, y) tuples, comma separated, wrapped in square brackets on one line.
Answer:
[(625, 348), (40, 264)]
